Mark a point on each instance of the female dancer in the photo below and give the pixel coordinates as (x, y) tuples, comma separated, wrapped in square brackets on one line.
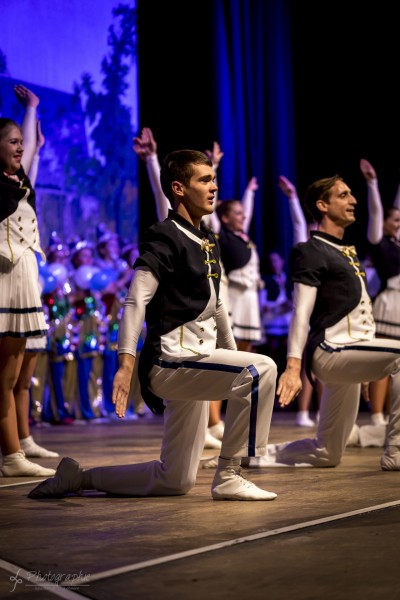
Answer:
[(21, 311), (383, 236)]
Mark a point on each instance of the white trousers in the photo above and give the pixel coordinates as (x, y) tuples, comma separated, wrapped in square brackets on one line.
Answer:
[(342, 370), (246, 380)]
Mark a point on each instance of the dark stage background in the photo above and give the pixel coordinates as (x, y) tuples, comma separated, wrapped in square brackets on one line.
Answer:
[(344, 77)]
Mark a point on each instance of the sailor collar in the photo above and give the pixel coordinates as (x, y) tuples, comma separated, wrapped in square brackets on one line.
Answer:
[(199, 233), (334, 241)]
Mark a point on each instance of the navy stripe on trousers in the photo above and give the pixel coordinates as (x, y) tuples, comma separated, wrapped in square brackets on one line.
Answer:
[(187, 364)]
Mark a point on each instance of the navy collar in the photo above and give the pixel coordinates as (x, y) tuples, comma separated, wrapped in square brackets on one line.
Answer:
[(187, 225), (328, 237)]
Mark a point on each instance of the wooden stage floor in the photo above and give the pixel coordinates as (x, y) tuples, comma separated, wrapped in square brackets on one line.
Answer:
[(330, 534)]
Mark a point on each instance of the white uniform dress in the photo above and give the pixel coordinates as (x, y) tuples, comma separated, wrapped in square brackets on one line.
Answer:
[(21, 310)]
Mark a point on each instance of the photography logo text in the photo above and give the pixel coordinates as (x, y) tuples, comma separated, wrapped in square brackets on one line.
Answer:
[(49, 579)]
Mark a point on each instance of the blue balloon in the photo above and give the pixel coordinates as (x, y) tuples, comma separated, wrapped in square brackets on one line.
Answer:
[(49, 283), (40, 261), (83, 276), (112, 274), (100, 281), (59, 271), (42, 265)]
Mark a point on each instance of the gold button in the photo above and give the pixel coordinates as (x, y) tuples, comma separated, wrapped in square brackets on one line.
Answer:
[(21, 240), (215, 328), (201, 341), (362, 302), (201, 329), (364, 322), (33, 230), (33, 220), (19, 218), (21, 228), (366, 331), (200, 318)]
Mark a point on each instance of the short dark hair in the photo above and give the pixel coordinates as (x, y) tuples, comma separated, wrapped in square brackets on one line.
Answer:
[(178, 166), (319, 190)]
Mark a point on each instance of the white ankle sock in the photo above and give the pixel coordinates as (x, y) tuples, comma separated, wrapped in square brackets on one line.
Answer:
[(33, 450), (378, 419)]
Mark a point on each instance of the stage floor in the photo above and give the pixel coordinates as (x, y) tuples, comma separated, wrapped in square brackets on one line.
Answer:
[(330, 534)]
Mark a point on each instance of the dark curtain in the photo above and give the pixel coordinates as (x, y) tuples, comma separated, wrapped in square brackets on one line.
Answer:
[(255, 111)]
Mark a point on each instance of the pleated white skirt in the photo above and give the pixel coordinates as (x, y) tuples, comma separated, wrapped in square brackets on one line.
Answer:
[(21, 310), (246, 318), (386, 312)]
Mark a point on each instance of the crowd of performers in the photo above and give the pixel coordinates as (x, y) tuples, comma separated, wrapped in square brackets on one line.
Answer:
[(83, 287)]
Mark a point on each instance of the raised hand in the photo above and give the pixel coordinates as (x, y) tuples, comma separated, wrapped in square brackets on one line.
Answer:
[(252, 186), (145, 144), (367, 170), (215, 155), (287, 187), (26, 97)]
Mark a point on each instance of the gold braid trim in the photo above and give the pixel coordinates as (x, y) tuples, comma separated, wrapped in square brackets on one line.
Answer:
[(8, 241), (184, 347)]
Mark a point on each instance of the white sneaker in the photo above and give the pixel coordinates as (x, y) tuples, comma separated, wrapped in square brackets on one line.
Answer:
[(379, 419), (372, 436), (217, 430), (33, 450), (390, 460), (209, 463), (270, 460), (228, 484), (259, 461), (211, 441), (303, 419), (16, 465), (354, 437)]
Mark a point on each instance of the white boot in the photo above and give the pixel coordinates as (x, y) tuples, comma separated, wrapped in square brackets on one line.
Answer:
[(372, 436), (217, 430), (211, 441), (303, 419), (228, 484), (33, 450), (209, 463), (354, 437), (390, 460), (16, 465)]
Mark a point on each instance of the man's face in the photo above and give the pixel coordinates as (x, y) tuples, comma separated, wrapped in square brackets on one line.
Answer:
[(340, 208), (199, 195)]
